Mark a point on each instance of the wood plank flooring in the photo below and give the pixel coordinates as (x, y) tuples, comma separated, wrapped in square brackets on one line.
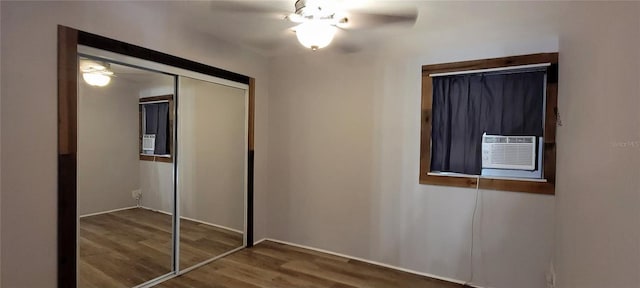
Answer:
[(274, 265), (200, 242), (129, 247)]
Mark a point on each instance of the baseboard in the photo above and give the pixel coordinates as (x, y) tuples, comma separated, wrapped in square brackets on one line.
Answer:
[(369, 261), (155, 210), (194, 220), (214, 225), (260, 241), (109, 211)]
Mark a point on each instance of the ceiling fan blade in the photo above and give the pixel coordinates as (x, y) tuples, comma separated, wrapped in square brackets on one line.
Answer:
[(239, 6), (276, 39), (348, 48), (346, 42), (364, 20)]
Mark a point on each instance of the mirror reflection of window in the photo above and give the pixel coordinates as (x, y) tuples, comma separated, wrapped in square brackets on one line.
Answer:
[(156, 128), (154, 137)]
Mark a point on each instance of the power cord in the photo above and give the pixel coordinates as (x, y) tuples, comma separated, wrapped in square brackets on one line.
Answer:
[(473, 226)]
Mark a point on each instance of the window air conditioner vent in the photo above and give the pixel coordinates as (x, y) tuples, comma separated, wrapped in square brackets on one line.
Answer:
[(509, 152), (148, 143)]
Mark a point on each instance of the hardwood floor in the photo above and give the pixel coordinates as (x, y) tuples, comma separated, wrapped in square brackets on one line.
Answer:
[(274, 265), (200, 242), (129, 247)]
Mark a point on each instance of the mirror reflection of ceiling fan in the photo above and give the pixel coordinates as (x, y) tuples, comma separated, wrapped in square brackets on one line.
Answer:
[(95, 73), (318, 21)]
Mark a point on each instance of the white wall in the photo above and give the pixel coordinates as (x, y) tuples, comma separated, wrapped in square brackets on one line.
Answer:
[(28, 116), (598, 223), (344, 137), (107, 146), (156, 183), (211, 153)]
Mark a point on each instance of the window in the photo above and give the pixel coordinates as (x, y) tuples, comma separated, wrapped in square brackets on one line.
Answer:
[(156, 128), (491, 121)]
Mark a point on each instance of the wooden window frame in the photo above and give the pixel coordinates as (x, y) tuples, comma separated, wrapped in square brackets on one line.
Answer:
[(155, 158), (549, 157)]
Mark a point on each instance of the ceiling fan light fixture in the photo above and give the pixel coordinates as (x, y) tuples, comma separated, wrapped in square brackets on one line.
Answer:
[(95, 73), (96, 79), (315, 34), (295, 18)]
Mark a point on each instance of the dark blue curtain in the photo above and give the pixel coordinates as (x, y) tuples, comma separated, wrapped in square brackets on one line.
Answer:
[(466, 106), (157, 122)]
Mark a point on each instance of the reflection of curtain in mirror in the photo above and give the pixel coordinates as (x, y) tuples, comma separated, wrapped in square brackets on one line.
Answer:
[(157, 122)]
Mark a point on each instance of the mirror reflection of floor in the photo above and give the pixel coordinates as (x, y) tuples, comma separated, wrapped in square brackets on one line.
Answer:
[(129, 247), (200, 242)]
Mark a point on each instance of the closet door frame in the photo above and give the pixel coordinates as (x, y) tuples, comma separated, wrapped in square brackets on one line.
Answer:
[(68, 41)]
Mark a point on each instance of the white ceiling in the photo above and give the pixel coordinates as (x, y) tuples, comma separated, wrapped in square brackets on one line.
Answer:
[(260, 25)]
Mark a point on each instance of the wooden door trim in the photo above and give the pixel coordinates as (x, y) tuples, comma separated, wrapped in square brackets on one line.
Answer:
[(67, 155)]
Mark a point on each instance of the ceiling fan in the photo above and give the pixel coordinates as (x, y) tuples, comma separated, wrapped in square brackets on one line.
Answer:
[(318, 21), (95, 73)]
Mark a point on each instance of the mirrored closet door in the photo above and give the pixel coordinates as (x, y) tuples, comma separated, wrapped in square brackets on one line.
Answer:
[(162, 170), (212, 134), (124, 200)]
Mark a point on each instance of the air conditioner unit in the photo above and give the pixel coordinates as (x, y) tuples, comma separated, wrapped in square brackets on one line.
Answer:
[(148, 143), (509, 152)]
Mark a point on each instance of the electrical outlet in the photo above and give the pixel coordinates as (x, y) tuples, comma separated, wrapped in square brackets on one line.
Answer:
[(136, 194)]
